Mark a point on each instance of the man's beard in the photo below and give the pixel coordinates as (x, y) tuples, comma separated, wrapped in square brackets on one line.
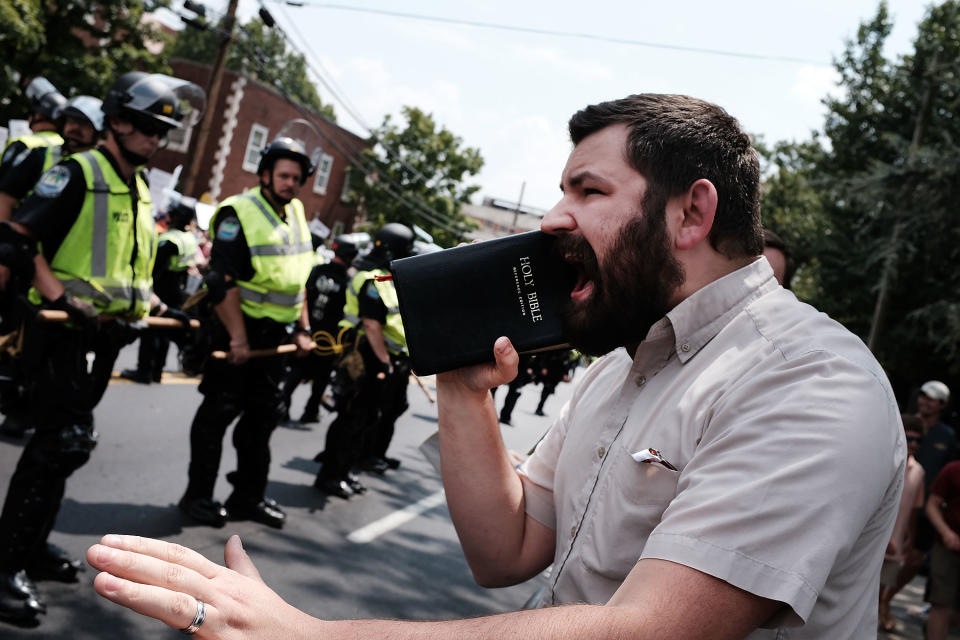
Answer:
[(73, 145), (631, 290), (276, 197)]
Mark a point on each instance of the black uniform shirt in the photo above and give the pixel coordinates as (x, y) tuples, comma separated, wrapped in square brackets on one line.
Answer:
[(19, 175), (370, 305), (10, 154), (52, 209), (326, 295), (230, 254)]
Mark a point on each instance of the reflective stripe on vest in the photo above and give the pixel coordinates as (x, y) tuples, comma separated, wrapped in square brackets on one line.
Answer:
[(394, 336), (281, 255), (107, 256)]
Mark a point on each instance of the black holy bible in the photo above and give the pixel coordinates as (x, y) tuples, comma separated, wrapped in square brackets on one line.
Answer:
[(455, 303)]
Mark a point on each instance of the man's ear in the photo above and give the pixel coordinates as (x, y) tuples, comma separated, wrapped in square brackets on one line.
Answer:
[(699, 208)]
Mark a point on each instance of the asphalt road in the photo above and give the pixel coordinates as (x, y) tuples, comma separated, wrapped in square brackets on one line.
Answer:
[(390, 553)]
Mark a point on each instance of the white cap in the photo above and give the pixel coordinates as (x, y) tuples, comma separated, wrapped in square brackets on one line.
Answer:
[(936, 390)]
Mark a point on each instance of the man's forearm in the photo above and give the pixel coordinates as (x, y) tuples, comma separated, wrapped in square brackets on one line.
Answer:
[(231, 315), (374, 333), (484, 492)]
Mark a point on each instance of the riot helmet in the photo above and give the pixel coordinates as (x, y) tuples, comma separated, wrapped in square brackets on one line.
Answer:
[(84, 107), (344, 248), (297, 140), (44, 98), (393, 241), (155, 102)]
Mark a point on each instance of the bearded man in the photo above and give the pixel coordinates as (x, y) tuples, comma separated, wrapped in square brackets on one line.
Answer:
[(730, 468)]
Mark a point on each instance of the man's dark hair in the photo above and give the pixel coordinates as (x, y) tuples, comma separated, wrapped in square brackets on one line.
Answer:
[(774, 241), (674, 141)]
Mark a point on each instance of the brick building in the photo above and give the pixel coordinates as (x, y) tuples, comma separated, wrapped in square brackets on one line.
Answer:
[(247, 116)]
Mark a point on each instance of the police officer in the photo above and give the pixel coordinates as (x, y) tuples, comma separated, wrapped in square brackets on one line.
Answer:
[(81, 121), (176, 253), (259, 264), (326, 295), (45, 101), (91, 215), (363, 428)]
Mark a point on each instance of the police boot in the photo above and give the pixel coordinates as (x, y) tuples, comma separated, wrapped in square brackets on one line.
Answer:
[(14, 425), (268, 513), (20, 602), (53, 563), (204, 510)]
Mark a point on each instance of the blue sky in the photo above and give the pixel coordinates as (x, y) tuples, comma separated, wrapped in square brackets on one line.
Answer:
[(510, 93)]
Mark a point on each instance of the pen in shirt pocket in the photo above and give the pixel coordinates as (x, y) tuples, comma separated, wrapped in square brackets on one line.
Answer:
[(651, 455)]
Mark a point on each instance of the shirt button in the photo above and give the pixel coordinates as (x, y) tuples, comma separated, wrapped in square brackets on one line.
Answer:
[(573, 531), (684, 347), (600, 452), (641, 380)]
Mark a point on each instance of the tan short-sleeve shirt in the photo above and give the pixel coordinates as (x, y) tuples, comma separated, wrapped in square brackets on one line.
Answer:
[(789, 459)]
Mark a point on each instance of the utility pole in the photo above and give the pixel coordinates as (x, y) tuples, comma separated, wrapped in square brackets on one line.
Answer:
[(889, 273), (516, 211), (213, 94)]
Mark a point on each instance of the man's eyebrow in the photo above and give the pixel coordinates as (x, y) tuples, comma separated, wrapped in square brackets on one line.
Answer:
[(578, 178)]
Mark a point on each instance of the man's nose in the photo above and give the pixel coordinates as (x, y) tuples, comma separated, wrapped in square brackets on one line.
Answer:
[(560, 219)]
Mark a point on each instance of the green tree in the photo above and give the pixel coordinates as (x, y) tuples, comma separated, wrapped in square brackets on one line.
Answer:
[(262, 52), (53, 39), (880, 183), (415, 175)]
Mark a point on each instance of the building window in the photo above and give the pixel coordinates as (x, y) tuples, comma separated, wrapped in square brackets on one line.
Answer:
[(179, 139), (323, 175), (255, 143)]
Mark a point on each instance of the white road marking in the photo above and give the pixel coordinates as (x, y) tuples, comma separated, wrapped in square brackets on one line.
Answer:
[(377, 528)]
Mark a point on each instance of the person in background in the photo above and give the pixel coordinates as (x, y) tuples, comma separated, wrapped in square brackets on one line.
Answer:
[(778, 255), (362, 431), (90, 225), (259, 263), (905, 528), (326, 296), (176, 253), (938, 447), (81, 121), (45, 101)]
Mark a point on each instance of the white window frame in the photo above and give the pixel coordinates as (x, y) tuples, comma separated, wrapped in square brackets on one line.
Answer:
[(322, 177), (182, 145), (256, 130)]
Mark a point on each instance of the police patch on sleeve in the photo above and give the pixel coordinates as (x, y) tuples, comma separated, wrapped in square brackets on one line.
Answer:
[(53, 182), (372, 292), (228, 230), (9, 153), (21, 157)]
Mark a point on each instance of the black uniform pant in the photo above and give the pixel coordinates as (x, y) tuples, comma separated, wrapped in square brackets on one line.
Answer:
[(315, 368), (152, 353), (513, 393), (63, 389), (250, 391), (365, 423), (549, 386)]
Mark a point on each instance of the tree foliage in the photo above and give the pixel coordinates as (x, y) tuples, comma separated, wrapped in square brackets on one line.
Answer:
[(261, 52), (886, 159), (81, 46), (420, 180)]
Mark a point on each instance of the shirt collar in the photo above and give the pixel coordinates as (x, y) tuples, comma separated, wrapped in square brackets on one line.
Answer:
[(702, 315)]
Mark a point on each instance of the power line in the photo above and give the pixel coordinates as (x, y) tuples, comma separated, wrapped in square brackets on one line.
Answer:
[(550, 32)]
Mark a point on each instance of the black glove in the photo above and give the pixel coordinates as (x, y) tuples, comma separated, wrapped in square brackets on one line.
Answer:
[(16, 253), (82, 314)]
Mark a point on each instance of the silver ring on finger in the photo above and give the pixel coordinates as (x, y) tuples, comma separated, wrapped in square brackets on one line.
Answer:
[(197, 619)]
